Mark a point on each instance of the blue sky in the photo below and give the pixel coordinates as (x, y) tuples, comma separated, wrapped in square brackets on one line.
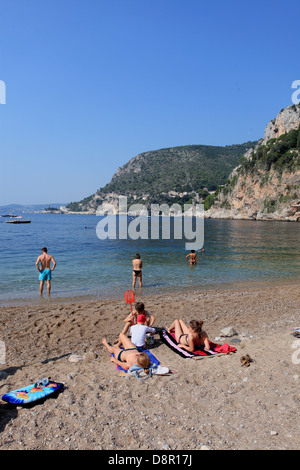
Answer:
[(92, 83)]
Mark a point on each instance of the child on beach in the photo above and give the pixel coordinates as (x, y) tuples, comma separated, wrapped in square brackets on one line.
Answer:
[(132, 318), (129, 356), (139, 331), (189, 337)]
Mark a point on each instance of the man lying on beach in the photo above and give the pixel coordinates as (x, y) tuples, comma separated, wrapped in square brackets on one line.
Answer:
[(45, 269), (132, 318)]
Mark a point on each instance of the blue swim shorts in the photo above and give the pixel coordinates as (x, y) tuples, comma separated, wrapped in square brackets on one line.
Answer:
[(45, 275)]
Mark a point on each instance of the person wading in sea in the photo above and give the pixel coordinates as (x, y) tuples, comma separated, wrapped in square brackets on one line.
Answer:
[(137, 270), (192, 257), (43, 264)]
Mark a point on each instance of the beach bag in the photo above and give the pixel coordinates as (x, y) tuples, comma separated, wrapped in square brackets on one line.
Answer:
[(139, 372)]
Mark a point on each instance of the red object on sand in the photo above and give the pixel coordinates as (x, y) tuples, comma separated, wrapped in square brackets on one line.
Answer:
[(129, 297)]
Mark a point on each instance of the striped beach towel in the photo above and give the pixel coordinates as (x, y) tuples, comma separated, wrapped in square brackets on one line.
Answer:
[(215, 349)]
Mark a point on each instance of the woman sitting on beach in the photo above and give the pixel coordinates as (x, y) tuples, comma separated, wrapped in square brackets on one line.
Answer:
[(129, 356), (189, 337)]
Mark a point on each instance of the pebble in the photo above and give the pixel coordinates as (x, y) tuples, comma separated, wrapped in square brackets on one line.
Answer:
[(228, 331), (72, 375), (89, 356), (75, 358), (166, 447), (274, 433)]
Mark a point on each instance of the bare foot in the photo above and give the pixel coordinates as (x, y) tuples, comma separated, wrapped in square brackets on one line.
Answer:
[(109, 348), (105, 343)]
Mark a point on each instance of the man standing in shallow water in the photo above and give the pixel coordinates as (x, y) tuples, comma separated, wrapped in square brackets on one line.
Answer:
[(45, 270)]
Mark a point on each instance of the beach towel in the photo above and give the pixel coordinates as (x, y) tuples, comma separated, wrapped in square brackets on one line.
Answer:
[(153, 359), (215, 349), (160, 370)]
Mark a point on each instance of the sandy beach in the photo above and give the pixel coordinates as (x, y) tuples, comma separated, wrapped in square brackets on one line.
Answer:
[(213, 403)]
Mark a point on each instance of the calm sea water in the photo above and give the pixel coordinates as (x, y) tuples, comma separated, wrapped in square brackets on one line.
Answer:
[(235, 252)]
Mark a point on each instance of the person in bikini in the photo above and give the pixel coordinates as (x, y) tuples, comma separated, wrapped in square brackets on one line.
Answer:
[(137, 270), (43, 264), (129, 356), (189, 337), (192, 257)]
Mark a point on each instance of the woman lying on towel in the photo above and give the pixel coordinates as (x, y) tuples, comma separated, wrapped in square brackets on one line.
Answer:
[(129, 356), (189, 337)]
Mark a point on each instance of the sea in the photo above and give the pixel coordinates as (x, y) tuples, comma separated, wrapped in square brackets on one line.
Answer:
[(236, 253)]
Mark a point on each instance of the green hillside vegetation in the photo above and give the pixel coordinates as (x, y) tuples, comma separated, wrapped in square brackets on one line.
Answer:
[(189, 168), (194, 169), (281, 152)]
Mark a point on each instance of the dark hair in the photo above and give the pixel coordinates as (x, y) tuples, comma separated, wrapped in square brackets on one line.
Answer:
[(137, 256), (192, 251), (44, 249), (139, 306), (197, 326)]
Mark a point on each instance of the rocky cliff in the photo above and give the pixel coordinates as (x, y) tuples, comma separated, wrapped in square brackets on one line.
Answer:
[(266, 184), (287, 120)]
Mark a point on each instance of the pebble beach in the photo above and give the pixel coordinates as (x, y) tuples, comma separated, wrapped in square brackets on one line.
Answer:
[(214, 403)]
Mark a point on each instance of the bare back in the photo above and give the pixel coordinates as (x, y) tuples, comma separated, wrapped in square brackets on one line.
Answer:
[(192, 258), (137, 264), (45, 261)]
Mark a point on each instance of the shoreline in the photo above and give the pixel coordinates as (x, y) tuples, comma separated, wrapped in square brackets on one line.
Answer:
[(206, 215), (145, 292)]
